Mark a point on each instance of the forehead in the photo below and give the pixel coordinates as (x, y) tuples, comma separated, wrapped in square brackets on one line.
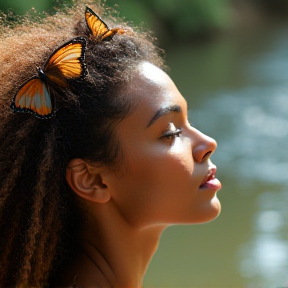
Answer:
[(152, 74), (152, 88)]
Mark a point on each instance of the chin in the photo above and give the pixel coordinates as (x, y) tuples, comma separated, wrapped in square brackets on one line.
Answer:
[(209, 212), (214, 211)]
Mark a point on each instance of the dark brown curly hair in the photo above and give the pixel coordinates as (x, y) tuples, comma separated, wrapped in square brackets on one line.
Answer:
[(39, 216)]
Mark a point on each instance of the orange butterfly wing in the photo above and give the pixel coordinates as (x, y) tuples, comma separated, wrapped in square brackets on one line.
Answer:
[(66, 62), (33, 97), (98, 27)]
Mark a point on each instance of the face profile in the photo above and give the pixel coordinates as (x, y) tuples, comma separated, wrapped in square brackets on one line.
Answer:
[(167, 173), (99, 146)]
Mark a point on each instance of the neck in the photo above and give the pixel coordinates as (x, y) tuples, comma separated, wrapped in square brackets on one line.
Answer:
[(123, 259), (114, 253)]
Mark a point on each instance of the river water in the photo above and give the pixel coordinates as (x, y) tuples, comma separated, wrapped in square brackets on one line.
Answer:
[(237, 90)]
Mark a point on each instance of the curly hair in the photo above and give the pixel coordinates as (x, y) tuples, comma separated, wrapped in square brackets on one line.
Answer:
[(39, 216)]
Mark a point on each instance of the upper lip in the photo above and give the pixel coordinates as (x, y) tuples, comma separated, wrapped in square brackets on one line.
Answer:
[(210, 175)]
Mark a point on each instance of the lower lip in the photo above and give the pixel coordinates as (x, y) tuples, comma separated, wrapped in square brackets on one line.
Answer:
[(214, 184)]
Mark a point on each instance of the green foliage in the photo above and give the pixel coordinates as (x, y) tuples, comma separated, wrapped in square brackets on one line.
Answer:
[(193, 14), (21, 7), (183, 19), (170, 19)]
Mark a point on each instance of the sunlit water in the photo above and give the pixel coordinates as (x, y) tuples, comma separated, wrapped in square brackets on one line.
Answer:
[(237, 90)]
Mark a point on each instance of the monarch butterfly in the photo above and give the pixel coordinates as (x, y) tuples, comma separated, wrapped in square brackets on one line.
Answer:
[(66, 62), (98, 27)]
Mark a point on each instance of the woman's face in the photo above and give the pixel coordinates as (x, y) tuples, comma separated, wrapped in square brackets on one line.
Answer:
[(166, 176)]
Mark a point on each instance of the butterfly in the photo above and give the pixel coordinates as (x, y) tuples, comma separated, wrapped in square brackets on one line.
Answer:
[(98, 27), (67, 62)]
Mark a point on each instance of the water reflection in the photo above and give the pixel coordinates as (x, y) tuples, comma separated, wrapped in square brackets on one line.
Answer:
[(263, 261), (259, 121), (254, 132)]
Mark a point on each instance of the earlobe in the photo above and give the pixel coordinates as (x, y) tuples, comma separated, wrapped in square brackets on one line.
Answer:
[(87, 181)]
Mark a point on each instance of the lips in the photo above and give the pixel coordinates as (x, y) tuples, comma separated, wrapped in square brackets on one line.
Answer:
[(210, 175), (210, 181)]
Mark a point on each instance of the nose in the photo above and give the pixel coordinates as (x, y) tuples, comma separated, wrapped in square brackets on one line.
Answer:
[(203, 146)]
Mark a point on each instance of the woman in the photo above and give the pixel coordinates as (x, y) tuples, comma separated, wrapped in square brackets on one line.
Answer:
[(104, 160)]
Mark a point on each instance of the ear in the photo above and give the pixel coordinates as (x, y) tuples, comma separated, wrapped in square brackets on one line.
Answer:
[(87, 181)]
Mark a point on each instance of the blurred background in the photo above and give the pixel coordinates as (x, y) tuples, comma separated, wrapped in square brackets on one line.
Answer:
[(229, 58)]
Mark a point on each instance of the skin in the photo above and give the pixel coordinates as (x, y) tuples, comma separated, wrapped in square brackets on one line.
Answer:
[(156, 185)]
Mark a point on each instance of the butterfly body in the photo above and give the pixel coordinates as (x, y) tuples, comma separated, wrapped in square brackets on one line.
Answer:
[(41, 74), (66, 63)]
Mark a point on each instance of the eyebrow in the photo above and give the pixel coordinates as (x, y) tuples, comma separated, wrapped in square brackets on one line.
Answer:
[(164, 110)]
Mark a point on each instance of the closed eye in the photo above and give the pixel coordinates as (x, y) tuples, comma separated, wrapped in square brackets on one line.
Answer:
[(172, 134)]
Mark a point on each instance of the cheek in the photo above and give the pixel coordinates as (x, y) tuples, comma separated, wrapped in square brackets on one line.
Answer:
[(160, 180), (162, 165)]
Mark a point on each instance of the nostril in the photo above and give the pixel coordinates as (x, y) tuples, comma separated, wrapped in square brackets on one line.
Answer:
[(207, 154)]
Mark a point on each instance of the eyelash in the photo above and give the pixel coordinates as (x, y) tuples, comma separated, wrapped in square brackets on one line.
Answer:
[(172, 135)]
